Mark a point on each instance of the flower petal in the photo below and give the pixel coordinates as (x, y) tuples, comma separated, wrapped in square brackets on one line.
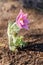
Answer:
[(25, 27), (19, 15)]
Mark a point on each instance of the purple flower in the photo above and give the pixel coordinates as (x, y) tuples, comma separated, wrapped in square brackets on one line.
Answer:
[(22, 20)]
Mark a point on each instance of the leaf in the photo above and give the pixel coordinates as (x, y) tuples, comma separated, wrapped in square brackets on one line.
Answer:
[(12, 48)]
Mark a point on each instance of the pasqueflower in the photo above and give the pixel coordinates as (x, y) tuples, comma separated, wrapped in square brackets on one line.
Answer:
[(22, 21)]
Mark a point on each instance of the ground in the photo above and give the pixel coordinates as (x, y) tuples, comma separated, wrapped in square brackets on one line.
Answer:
[(30, 55)]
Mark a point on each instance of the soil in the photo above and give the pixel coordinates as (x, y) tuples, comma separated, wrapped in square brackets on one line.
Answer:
[(31, 55)]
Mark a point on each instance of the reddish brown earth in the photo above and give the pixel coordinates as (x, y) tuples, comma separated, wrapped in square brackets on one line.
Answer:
[(31, 55)]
